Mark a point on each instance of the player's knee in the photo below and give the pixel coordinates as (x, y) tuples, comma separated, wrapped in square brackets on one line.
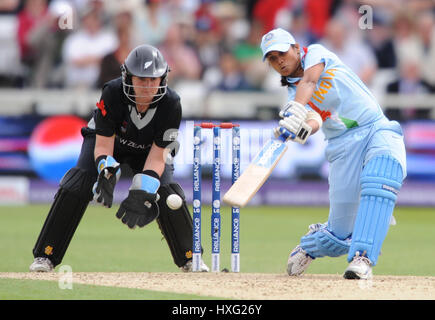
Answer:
[(382, 177), (320, 242), (79, 182)]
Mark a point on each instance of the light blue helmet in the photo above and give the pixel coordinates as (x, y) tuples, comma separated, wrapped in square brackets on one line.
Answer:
[(276, 40)]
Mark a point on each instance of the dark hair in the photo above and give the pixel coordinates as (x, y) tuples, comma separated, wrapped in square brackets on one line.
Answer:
[(284, 82)]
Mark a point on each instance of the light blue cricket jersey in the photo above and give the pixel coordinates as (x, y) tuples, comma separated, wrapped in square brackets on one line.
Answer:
[(341, 98)]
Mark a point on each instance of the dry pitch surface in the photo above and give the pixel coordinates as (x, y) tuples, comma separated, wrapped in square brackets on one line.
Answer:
[(256, 286)]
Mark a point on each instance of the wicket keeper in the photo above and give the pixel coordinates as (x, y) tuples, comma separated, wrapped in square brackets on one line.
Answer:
[(136, 123), (366, 152)]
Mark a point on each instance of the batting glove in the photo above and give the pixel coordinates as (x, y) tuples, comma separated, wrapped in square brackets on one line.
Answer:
[(108, 175), (293, 125), (140, 207)]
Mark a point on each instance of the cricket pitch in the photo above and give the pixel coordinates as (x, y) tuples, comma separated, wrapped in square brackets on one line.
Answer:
[(256, 286)]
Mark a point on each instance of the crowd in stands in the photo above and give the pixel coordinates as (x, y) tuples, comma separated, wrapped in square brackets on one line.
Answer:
[(82, 43)]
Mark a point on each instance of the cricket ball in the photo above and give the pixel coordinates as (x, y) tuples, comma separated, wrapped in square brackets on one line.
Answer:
[(174, 201)]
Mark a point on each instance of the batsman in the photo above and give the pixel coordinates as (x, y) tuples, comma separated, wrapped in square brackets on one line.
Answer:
[(366, 152), (135, 123)]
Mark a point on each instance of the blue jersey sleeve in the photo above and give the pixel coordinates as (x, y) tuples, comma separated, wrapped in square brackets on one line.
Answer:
[(316, 54)]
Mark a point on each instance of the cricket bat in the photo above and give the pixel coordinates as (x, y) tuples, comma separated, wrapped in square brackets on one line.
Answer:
[(256, 174)]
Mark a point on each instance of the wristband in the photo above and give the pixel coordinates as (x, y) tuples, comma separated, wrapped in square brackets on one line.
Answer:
[(151, 173), (97, 162), (145, 182), (313, 115), (105, 161)]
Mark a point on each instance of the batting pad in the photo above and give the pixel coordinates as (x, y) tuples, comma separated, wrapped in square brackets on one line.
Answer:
[(176, 225), (381, 181), (320, 242), (70, 203)]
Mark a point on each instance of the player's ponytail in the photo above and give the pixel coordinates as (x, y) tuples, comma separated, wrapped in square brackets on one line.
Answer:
[(284, 82)]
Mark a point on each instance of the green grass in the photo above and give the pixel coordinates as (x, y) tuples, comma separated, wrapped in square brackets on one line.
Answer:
[(102, 243), (13, 289)]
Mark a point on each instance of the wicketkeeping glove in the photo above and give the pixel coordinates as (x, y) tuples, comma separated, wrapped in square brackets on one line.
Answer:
[(108, 175), (293, 124), (140, 207)]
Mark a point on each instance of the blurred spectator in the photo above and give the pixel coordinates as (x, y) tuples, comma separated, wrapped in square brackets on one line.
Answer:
[(206, 43), (111, 64), (9, 6), (183, 7), (389, 8), (249, 56), (409, 82), (99, 6), (231, 76), (249, 49), (419, 5), (205, 18), (348, 12), (284, 16), (34, 12), (11, 71), (266, 12), (318, 14), (426, 32), (384, 8), (204, 39), (188, 31), (352, 51), (232, 27), (84, 49), (405, 39), (151, 22), (38, 39), (380, 39), (181, 58), (299, 28)]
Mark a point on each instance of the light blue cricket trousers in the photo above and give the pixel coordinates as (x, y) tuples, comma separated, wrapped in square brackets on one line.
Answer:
[(347, 154)]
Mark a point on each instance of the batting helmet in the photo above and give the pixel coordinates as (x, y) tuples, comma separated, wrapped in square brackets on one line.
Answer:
[(144, 61)]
